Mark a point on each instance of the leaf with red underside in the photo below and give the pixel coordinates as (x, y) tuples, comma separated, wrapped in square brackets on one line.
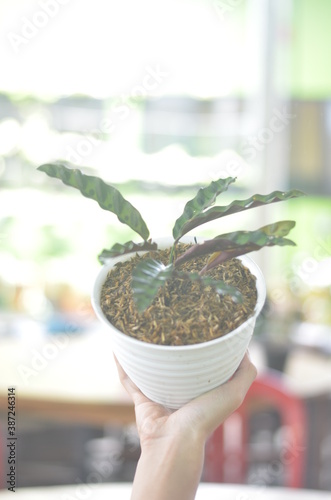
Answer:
[(204, 198), (231, 245), (190, 221), (129, 247)]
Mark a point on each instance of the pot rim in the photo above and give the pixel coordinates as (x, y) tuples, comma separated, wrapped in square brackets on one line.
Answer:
[(101, 277)]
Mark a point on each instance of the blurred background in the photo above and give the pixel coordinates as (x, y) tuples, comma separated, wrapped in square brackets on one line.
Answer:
[(159, 99)]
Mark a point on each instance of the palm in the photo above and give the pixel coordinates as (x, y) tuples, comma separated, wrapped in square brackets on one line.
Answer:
[(205, 413)]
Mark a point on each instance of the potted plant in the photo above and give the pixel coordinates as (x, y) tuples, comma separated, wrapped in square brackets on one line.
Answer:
[(181, 311)]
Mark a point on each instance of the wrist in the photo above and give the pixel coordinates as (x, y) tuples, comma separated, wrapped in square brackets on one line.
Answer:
[(173, 463), (186, 443)]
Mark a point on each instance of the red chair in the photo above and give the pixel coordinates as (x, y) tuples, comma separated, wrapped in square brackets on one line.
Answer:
[(2, 452), (232, 457)]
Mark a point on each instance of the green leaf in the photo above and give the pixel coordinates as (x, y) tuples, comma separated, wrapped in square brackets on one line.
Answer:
[(150, 275), (219, 286), (203, 199), (128, 247), (236, 206), (108, 197), (147, 278), (238, 243)]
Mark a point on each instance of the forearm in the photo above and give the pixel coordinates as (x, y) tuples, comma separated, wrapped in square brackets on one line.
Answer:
[(169, 470)]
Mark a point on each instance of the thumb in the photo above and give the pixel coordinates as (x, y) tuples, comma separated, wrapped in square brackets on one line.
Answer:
[(213, 407)]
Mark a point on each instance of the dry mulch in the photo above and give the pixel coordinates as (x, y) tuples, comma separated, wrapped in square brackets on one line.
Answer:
[(183, 312)]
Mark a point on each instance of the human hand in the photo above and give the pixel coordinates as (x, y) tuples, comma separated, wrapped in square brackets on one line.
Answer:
[(203, 414), (172, 441)]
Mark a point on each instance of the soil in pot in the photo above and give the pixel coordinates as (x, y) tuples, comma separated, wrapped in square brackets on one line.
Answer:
[(183, 313)]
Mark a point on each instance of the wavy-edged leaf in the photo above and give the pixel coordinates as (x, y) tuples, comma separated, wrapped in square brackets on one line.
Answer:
[(147, 278), (237, 206), (128, 247), (108, 197), (219, 286), (150, 275), (204, 198), (231, 245)]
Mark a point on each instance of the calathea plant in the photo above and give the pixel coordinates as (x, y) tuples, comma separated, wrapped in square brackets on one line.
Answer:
[(150, 275)]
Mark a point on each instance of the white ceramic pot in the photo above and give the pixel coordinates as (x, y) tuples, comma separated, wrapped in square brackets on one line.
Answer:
[(173, 375)]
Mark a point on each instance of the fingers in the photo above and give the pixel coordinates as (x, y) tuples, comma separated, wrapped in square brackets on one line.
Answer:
[(208, 411), (245, 373), (137, 396), (235, 390), (216, 405)]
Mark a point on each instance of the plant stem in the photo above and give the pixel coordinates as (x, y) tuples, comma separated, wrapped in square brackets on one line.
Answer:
[(172, 253)]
